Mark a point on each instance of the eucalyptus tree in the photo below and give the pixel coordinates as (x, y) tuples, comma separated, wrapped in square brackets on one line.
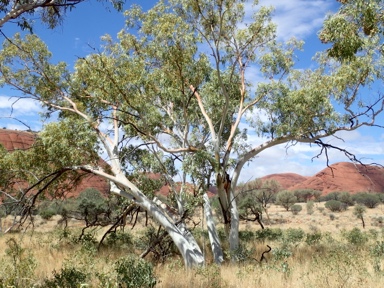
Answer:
[(178, 80)]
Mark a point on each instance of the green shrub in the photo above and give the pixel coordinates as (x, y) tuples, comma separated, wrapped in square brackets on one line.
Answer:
[(367, 199), (269, 234), (313, 238), (355, 237), (296, 209), (47, 213), (119, 238), (294, 236), (310, 207), (3, 211), (246, 235), (68, 277), (335, 205), (133, 272), (17, 267)]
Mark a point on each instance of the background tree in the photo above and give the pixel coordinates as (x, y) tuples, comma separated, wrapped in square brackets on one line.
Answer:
[(259, 194), (359, 211), (163, 89), (286, 199)]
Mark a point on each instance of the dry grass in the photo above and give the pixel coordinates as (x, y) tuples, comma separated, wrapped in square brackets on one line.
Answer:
[(320, 265)]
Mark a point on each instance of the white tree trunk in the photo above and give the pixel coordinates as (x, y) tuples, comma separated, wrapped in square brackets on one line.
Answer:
[(188, 248), (212, 232), (234, 232)]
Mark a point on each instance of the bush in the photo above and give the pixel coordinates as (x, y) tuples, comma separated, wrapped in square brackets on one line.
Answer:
[(367, 199), (67, 277), (356, 237), (293, 236), (313, 238), (269, 234), (296, 209), (47, 213), (310, 207), (378, 221), (133, 272), (17, 266), (335, 206)]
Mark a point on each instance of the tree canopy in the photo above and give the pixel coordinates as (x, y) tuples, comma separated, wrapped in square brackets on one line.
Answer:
[(181, 91)]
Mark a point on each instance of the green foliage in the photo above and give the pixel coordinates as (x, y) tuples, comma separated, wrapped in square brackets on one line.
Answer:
[(48, 209), (161, 88), (119, 239), (67, 277), (304, 195), (133, 272), (335, 205), (293, 236), (343, 197), (369, 200), (19, 270), (269, 234), (286, 199), (355, 237), (91, 205), (3, 211), (310, 207), (359, 211), (296, 209), (352, 28), (211, 275), (313, 238)]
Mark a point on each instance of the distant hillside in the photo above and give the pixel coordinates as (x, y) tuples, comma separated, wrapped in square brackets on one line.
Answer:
[(13, 140), (286, 180), (343, 176)]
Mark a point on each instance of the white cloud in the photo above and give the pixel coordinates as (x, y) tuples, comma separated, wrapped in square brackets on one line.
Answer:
[(11, 106), (298, 18)]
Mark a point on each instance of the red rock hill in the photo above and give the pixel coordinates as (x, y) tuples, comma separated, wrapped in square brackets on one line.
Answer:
[(343, 176)]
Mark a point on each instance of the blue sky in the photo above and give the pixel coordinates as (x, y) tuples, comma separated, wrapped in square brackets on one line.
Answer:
[(81, 31)]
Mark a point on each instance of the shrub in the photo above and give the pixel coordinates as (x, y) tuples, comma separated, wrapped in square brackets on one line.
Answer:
[(313, 238), (310, 207), (269, 234), (3, 212), (67, 277), (133, 272), (356, 237), (47, 213), (367, 199), (296, 209), (17, 266), (335, 205), (378, 221), (293, 236), (346, 198)]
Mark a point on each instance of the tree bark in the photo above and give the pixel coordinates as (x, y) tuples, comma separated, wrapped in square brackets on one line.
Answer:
[(212, 232)]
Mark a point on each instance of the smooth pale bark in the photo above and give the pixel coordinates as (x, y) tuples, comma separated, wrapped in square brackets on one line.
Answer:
[(212, 232), (234, 232), (190, 252)]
